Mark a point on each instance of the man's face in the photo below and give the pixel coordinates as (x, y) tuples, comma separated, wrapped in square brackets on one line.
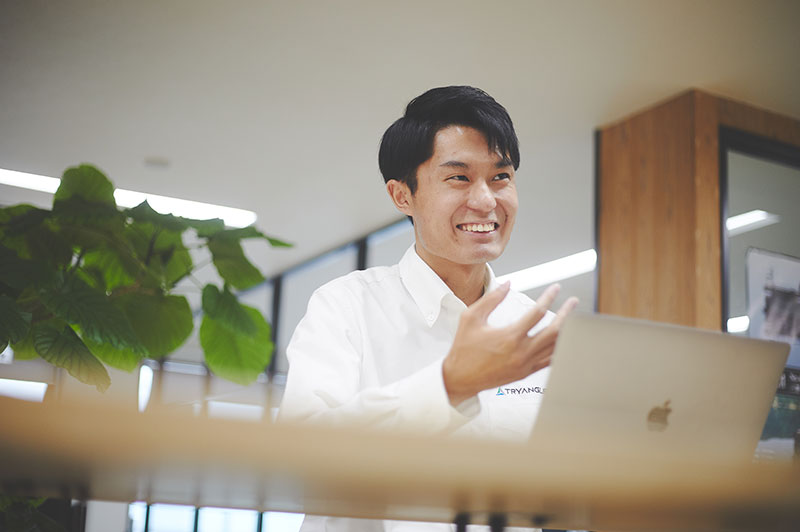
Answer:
[(465, 203)]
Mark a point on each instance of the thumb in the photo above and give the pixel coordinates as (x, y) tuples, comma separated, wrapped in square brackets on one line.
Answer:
[(489, 301)]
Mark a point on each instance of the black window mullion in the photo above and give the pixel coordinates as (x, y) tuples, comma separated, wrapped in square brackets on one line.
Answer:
[(147, 518), (361, 258), (277, 288)]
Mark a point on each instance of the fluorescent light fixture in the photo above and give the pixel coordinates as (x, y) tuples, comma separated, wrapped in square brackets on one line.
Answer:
[(739, 324), (29, 181), (128, 198), (186, 208), (25, 390), (551, 272), (741, 223), (145, 386)]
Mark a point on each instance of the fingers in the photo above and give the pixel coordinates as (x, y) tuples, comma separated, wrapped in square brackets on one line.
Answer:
[(564, 311), (546, 338), (488, 302), (533, 316)]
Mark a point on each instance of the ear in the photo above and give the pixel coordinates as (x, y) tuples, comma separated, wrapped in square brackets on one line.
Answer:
[(401, 196)]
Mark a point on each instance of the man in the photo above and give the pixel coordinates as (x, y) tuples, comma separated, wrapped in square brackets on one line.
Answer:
[(431, 343)]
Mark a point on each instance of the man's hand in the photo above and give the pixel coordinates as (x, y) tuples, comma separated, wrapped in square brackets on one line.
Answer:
[(484, 357)]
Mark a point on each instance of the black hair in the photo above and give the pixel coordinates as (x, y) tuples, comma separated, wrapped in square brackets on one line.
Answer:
[(408, 142)]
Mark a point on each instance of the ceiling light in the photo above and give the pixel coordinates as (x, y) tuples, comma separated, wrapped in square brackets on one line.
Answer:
[(25, 390), (128, 198), (551, 272), (741, 223), (186, 208), (29, 181), (739, 324)]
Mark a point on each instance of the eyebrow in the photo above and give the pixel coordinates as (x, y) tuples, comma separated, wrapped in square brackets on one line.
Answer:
[(454, 164), (502, 163)]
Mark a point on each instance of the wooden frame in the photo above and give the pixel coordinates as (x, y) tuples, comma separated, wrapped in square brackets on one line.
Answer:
[(658, 206)]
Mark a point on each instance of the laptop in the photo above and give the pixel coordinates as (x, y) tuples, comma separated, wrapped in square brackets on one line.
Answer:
[(632, 388)]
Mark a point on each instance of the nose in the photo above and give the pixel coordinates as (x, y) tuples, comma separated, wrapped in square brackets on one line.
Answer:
[(481, 198)]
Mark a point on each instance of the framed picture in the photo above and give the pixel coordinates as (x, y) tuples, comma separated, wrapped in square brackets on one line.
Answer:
[(773, 307)]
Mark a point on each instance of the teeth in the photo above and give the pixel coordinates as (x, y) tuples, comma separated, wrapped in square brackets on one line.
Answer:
[(479, 228)]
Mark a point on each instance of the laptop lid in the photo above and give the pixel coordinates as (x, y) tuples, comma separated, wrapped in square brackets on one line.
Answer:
[(626, 387)]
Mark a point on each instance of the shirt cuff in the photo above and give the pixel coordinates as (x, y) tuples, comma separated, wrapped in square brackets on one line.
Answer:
[(427, 405)]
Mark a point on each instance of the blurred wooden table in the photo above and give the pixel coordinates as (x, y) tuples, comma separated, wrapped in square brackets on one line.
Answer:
[(96, 451)]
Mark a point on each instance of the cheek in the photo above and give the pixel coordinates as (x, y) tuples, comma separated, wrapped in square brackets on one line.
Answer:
[(509, 205)]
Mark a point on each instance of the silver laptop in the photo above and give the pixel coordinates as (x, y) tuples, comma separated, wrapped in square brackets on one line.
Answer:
[(627, 387)]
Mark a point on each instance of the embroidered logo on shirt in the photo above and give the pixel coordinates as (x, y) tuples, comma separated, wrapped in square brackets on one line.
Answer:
[(520, 391)]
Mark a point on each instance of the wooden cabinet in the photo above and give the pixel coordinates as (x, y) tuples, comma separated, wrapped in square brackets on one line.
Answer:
[(659, 213)]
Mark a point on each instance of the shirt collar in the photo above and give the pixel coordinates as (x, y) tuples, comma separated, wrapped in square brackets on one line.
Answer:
[(427, 288)]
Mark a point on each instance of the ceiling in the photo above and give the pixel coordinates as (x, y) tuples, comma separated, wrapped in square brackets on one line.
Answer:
[(278, 107)]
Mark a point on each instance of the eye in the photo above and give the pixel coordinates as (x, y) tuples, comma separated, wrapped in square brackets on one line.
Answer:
[(458, 178), (500, 177)]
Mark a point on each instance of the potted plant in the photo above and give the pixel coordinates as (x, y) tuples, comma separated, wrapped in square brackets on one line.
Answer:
[(87, 285)]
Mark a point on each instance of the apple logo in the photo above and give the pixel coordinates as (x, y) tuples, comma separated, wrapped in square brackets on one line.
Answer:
[(657, 418)]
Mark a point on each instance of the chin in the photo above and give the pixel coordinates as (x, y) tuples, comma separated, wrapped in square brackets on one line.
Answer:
[(483, 255)]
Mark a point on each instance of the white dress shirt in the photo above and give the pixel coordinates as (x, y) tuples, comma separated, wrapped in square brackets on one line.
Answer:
[(369, 351)]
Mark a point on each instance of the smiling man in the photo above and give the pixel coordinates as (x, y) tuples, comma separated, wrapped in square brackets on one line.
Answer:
[(433, 343)]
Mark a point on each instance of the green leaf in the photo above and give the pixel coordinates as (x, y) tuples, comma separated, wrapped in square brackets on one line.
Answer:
[(14, 323), (25, 349), (123, 359), (207, 228), (17, 274), (99, 320), (163, 323), (145, 213), (274, 242), (64, 349), (19, 219), (112, 251), (227, 311), (86, 182), (80, 211), (236, 357), (108, 270), (47, 244), (161, 250), (175, 258), (251, 232), (231, 263)]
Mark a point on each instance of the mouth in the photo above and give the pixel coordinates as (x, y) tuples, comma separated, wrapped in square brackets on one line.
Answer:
[(482, 228)]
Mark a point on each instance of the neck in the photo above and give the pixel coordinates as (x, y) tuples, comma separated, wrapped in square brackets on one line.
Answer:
[(465, 280)]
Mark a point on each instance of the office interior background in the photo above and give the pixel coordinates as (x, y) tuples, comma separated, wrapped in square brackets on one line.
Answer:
[(278, 108)]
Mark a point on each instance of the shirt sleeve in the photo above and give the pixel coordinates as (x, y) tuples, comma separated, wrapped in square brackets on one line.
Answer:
[(323, 384)]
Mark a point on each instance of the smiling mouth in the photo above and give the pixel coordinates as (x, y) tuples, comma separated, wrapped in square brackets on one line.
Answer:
[(479, 228)]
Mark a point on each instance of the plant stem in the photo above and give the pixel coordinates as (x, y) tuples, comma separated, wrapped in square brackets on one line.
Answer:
[(151, 246), (195, 281)]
